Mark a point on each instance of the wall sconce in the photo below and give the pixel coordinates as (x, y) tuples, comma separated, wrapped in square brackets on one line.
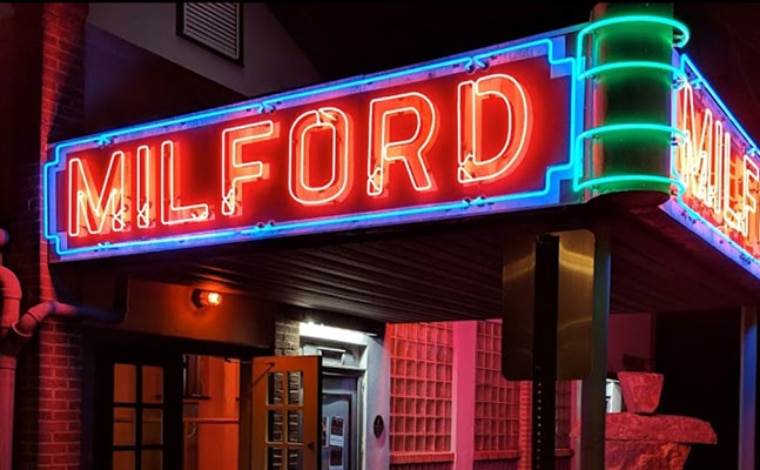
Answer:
[(205, 298)]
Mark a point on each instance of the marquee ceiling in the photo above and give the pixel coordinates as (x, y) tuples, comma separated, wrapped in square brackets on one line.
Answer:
[(449, 271)]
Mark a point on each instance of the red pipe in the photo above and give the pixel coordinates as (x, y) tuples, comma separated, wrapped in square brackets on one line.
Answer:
[(15, 332), (10, 302)]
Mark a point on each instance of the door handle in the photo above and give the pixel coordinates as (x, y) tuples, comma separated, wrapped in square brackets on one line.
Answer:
[(311, 446)]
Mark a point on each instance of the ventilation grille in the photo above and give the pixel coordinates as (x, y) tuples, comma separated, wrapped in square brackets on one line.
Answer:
[(217, 26)]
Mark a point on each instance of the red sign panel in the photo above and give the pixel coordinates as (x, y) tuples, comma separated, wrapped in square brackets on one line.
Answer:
[(408, 145)]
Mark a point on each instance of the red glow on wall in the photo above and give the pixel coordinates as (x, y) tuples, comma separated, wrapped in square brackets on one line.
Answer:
[(489, 133)]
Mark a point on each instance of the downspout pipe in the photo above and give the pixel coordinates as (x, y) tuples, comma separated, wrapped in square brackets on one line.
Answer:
[(10, 302), (16, 331), (23, 329)]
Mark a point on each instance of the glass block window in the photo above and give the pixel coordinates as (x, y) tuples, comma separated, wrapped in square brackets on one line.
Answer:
[(496, 399), (421, 387)]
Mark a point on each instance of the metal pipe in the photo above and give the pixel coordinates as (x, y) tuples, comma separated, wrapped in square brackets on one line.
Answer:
[(24, 328), (10, 302), (15, 331)]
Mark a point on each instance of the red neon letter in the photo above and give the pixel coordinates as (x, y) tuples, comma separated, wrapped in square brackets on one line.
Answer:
[(235, 171), (383, 150), (741, 176), (701, 157), (172, 212), (95, 208), (473, 165), (146, 207), (335, 121), (749, 188)]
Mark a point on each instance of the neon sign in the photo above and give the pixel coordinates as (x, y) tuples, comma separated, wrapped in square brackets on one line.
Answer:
[(488, 131), (718, 168)]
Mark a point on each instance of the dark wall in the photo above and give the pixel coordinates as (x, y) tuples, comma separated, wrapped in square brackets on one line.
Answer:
[(698, 353), (5, 119), (126, 85)]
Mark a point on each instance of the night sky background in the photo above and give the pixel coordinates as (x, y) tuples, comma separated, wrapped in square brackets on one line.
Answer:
[(343, 39)]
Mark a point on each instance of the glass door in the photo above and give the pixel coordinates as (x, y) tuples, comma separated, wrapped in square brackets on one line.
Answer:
[(286, 406), (139, 412), (138, 417)]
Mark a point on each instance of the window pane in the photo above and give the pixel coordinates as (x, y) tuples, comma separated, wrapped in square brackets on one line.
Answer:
[(295, 423), (274, 458), (124, 460), (124, 383), (151, 427), (421, 396), (275, 389), (123, 426), (274, 426), (152, 460), (196, 375), (294, 459), (295, 387), (152, 384)]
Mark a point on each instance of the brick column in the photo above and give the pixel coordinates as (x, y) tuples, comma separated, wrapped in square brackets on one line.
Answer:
[(48, 43), (286, 336)]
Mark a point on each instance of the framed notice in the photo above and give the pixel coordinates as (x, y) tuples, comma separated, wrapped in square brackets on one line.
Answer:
[(337, 430)]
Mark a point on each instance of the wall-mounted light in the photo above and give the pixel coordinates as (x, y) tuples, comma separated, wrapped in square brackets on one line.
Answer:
[(205, 298)]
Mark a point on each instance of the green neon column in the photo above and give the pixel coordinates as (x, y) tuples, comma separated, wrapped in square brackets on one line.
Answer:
[(626, 64)]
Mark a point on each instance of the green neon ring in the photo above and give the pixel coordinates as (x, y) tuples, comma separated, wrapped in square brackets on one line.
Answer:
[(605, 180), (633, 126), (675, 24), (600, 69), (634, 177)]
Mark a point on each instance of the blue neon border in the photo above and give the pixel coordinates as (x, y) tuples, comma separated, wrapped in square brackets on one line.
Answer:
[(551, 44), (714, 237)]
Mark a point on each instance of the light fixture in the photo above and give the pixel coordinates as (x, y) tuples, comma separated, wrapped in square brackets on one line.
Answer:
[(205, 298)]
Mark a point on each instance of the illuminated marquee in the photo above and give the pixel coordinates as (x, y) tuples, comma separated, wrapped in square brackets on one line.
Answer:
[(717, 166), (482, 132)]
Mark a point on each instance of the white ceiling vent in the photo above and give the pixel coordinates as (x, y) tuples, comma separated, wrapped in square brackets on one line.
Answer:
[(217, 26)]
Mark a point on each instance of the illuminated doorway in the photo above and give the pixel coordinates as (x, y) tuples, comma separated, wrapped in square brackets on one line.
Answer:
[(210, 412)]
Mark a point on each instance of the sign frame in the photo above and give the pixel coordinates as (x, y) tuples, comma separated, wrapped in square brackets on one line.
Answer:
[(556, 46)]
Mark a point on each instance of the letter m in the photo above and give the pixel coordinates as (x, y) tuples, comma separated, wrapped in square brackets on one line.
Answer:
[(90, 205)]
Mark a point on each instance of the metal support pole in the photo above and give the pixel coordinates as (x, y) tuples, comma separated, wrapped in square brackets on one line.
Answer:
[(545, 351), (747, 388), (593, 407)]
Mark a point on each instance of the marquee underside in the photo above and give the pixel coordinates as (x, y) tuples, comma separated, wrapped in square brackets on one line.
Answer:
[(452, 271)]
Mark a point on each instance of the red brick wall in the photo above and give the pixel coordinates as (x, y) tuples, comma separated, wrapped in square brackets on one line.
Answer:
[(423, 466), (562, 439), (502, 464), (526, 410), (48, 44)]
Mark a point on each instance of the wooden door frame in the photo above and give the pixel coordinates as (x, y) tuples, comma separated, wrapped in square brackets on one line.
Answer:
[(262, 366), (102, 403), (99, 343)]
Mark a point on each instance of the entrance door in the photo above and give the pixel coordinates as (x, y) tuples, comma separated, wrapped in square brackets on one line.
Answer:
[(139, 421), (341, 420), (286, 411)]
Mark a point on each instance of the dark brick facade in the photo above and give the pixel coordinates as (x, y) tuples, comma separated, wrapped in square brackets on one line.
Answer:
[(46, 43)]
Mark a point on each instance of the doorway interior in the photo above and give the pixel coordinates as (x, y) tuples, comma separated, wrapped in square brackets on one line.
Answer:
[(343, 395)]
